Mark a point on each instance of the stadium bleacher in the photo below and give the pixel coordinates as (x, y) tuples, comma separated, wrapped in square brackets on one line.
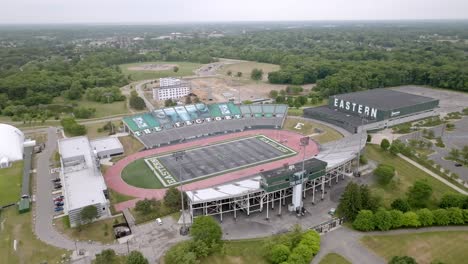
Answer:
[(180, 123)]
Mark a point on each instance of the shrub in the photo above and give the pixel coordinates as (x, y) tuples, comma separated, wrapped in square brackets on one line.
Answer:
[(465, 215), (397, 218), (383, 220), (441, 217), (455, 216), (425, 217), (401, 204), (385, 144), (364, 221), (452, 200), (410, 219), (402, 260), (419, 194), (279, 253)]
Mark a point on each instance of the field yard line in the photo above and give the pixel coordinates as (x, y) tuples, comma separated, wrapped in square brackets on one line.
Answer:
[(417, 165), (157, 174)]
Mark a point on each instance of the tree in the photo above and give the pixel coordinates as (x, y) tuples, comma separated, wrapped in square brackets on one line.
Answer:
[(107, 256), (145, 206), (425, 217), (369, 201), (169, 102), (419, 194), (279, 254), (83, 112), (401, 205), (188, 99), (350, 202), (452, 200), (369, 138), (207, 230), (74, 93), (229, 73), (181, 253), (364, 221), (239, 74), (385, 144), (135, 257), (175, 69), (256, 74), (172, 198), (88, 213), (455, 216), (71, 127), (136, 102), (384, 173), (382, 220), (402, 260), (273, 94)]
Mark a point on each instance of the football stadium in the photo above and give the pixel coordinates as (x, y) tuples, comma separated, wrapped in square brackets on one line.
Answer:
[(373, 109), (230, 159)]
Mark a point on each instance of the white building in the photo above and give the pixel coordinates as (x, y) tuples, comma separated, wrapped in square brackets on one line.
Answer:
[(82, 181), (12, 144), (107, 147), (171, 88)]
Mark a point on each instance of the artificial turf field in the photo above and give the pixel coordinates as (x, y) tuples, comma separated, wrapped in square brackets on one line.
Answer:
[(163, 170)]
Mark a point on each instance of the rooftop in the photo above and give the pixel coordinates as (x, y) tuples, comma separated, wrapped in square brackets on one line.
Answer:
[(106, 143), (83, 183), (384, 99)]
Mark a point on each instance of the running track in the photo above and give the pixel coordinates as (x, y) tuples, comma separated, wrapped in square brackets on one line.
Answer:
[(291, 139)]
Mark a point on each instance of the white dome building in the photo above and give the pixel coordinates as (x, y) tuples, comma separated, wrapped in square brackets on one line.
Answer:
[(11, 145)]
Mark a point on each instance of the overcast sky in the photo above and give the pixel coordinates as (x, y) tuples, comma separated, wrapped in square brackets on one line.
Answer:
[(169, 11)]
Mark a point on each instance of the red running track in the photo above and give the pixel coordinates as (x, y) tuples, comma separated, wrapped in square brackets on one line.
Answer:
[(291, 139)]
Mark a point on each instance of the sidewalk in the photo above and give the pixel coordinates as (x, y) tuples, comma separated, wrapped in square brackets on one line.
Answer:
[(451, 185)]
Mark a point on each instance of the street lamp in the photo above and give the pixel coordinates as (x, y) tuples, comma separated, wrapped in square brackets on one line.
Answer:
[(179, 156)]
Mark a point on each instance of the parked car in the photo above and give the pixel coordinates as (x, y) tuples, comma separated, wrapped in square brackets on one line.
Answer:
[(332, 211), (58, 186), (58, 209), (59, 204), (60, 196), (458, 165), (58, 200), (55, 180)]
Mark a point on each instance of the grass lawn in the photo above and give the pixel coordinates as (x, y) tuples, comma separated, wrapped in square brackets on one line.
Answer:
[(329, 134), (92, 129), (240, 252), (10, 183), (247, 67), (333, 258), (138, 174), (102, 110), (130, 144), (162, 212), (29, 248), (407, 174), (185, 69), (100, 231), (431, 247), (116, 197)]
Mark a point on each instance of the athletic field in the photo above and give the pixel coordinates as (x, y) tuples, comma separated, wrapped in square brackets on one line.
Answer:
[(213, 160)]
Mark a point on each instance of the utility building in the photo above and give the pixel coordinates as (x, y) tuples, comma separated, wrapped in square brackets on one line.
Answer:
[(83, 183)]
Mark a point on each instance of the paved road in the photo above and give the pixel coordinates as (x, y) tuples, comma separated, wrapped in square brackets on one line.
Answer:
[(346, 242)]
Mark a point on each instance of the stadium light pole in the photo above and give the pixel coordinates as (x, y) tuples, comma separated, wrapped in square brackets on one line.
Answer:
[(179, 156), (304, 143)]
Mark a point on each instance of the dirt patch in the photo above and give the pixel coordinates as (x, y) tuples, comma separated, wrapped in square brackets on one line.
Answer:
[(421, 251), (152, 67)]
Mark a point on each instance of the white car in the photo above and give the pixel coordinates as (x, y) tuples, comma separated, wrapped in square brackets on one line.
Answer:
[(159, 221), (332, 211)]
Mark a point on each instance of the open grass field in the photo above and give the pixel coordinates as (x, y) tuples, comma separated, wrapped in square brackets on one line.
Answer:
[(185, 69), (100, 231), (138, 174), (130, 144), (432, 247), (102, 110), (240, 252), (329, 134), (247, 67), (29, 249), (333, 258), (10, 183), (407, 174)]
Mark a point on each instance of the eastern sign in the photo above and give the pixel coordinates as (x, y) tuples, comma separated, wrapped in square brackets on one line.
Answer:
[(354, 107)]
